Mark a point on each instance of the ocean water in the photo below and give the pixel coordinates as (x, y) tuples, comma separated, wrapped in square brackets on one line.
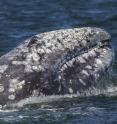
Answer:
[(22, 19)]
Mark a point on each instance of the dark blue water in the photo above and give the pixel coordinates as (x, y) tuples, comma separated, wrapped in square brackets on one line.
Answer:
[(24, 18)]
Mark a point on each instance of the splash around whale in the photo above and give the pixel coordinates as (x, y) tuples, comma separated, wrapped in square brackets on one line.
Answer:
[(67, 61)]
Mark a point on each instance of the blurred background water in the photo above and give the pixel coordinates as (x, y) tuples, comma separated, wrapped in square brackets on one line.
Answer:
[(22, 19)]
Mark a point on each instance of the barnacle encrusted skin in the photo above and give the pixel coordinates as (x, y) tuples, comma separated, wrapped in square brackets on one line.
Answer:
[(56, 62)]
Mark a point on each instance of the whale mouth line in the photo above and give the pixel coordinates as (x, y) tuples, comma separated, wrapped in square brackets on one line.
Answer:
[(79, 52)]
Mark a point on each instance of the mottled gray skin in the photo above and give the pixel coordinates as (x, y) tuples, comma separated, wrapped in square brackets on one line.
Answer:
[(65, 61)]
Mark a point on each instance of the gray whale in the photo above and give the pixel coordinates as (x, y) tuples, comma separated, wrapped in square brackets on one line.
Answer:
[(58, 62)]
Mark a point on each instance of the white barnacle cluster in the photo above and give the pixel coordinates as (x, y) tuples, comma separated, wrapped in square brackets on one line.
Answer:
[(67, 64), (62, 39), (101, 61), (30, 55), (35, 92), (104, 59), (78, 59), (64, 67), (31, 61), (89, 67), (84, 42), (3, 68), (106, 56), (82, 35), (1, 88), (71, 40), (92, 52), (98, 63), (81, 59), (50, 43), (14, 85), (59, 88), (46, 48), (11, 97), (70, 90), (85, 72), (33, 55), (85, 56)]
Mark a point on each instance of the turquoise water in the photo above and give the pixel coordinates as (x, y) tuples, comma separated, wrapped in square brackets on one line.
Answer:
[(21, 19)]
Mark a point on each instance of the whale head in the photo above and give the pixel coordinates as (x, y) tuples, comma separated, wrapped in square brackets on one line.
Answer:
[(66, 61)]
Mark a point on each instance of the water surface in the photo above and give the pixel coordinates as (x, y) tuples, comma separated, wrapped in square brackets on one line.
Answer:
[(22, 19)]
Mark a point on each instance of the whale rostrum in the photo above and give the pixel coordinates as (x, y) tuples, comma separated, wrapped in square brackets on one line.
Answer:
[(65, 61)]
